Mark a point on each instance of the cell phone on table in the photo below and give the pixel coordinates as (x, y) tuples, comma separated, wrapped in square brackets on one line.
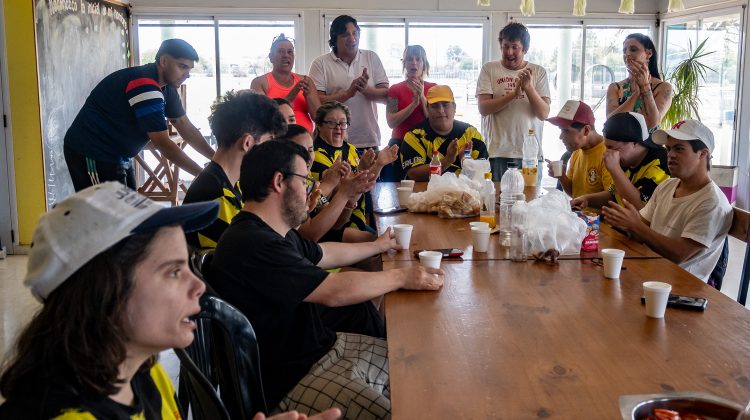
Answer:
[(689, 303), (447, 252), (391, 210)]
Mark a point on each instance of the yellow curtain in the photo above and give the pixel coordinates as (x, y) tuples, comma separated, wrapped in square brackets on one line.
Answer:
[(676, 6), (579, 7), (527, 7), (627, 6)]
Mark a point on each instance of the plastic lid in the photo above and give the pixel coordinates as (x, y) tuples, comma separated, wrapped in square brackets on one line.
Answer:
[(531, 131), (488, 175), (434, 152), (512, 165)]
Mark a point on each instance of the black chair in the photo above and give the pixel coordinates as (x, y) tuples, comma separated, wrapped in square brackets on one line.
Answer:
[(741, 230), (223, 360)]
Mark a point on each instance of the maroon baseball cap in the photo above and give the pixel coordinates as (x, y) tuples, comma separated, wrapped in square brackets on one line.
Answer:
[(573, 112)]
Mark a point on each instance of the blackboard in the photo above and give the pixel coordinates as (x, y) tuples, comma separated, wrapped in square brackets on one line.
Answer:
[(78, 43)]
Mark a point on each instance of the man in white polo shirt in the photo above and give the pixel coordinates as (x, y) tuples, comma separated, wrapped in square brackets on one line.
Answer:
[(688, 217), (354, 77)]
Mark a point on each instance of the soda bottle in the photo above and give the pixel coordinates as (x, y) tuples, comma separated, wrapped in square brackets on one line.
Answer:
[(530, 159), (435, 165), (487, 211)]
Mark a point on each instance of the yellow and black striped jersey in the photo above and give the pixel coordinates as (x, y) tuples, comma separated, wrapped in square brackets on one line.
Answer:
[(325, 155), (154, 400), (419, 143), (212, 184), (647, 175)]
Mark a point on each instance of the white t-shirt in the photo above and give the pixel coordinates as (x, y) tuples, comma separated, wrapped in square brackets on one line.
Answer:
[(331, 75), (704, 216), (506, 129)]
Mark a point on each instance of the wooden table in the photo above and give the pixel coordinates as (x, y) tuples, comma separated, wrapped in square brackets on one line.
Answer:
[(508, 340), (505, 340), (431, 232)]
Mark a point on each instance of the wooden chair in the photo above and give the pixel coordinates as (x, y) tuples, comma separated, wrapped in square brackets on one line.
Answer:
[(741, 230)]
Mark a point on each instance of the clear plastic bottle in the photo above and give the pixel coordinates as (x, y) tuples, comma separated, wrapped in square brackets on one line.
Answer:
[(511, 184), (487, 211), (466, 156), (436, 168), (519, 250), (530, 159)]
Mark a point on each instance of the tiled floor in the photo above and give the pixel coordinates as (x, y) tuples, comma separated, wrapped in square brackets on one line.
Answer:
[(17, 305)]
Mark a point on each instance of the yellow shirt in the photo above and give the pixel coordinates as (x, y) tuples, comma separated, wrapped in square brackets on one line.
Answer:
[(587, 172)]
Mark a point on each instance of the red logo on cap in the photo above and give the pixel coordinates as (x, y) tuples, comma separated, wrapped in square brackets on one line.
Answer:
[(678, 124)]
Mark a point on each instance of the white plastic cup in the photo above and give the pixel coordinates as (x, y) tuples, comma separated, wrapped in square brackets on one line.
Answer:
[(430, 259), (403, 235), (479, 225), (408, 183), (403, 195), (657, 295), (480, 237), (557, 168), (612, 261)]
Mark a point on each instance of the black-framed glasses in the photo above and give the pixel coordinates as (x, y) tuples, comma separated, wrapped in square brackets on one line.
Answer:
[(309, 181), (333, 124)]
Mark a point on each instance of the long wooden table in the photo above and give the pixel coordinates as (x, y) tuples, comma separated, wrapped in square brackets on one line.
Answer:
[(431, 232), (508, 340)]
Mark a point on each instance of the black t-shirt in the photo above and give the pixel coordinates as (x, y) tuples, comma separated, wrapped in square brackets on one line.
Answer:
[(267, 277)]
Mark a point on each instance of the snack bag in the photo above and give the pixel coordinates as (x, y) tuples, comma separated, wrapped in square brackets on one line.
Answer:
[(591, 240)]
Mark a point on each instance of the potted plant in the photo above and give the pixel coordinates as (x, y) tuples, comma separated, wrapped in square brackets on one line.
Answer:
[(686, 78)]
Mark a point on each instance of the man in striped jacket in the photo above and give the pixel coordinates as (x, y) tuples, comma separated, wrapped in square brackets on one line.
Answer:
[(125, 111)]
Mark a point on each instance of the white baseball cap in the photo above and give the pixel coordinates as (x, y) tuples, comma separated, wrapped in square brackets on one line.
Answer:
[(686, 130), (89, 222)]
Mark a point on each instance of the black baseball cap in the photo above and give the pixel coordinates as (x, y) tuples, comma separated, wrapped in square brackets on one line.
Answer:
[(628, 127)]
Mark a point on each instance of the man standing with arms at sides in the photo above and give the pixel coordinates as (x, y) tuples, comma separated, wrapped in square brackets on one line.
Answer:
[(513, 97), (126, 110), (354, 77)]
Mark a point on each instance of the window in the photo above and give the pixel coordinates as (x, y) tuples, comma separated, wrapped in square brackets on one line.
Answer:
[(718, 94), (578, 70), (454, 50), (243, 55)]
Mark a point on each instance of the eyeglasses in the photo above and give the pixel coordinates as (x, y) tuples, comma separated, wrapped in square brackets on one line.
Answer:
[(309, 181), (333, 124)]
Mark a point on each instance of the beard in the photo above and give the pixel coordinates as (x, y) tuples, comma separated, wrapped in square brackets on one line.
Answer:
[(293, 210)]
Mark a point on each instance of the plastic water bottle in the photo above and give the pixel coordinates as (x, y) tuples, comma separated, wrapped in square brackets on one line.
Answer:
[(530, 159), (487, 211), (511, 184), (519, 250), (466, 156), (436, 168)]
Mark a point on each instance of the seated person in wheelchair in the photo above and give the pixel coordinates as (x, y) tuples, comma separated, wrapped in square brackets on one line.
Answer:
[(110, 268)]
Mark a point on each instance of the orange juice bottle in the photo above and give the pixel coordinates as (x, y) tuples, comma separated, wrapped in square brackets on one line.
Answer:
[(487, 210)]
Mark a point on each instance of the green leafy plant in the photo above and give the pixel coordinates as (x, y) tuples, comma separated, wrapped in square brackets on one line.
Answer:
[(686, 78)]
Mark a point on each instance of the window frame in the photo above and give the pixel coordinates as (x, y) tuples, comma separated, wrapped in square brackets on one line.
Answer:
[(699, 16), (139, 14)]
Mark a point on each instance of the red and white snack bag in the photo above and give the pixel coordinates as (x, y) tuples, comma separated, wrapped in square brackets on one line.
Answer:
[(591, 240)]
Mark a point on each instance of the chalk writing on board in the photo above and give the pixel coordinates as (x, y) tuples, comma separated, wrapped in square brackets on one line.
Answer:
[(79, 42)]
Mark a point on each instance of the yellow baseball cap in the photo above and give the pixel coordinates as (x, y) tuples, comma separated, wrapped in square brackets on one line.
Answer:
[(439, 93)]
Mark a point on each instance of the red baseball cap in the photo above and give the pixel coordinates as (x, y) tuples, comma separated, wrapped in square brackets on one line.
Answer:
[(573, 112)]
